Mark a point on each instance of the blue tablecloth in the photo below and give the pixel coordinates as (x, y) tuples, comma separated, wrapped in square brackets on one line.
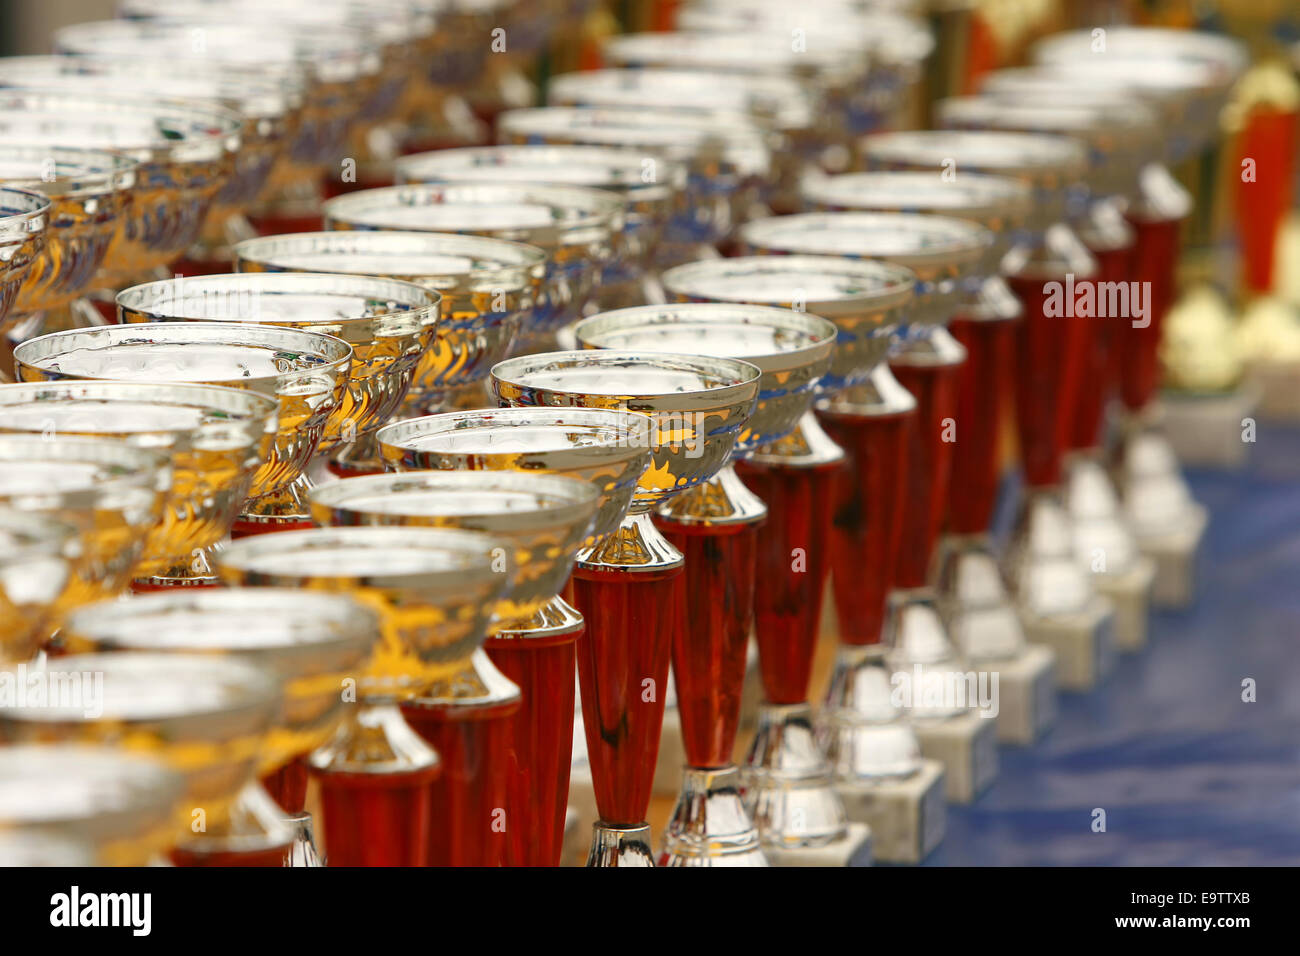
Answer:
[(1187, 773)]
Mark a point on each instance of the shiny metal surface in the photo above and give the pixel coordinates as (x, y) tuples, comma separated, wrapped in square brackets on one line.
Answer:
[(866, 736), (620, 846), (974, 601), (709, 825), (1040, 560), (38, 555), (24, 222), (920, 648)]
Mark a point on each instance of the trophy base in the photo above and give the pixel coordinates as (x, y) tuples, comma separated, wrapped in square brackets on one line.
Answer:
[(967, 746), (1083, 643), (1026, 694), (1175, 557), (613, 845), (787, 783), (854, 849), (709, 825), (1206, 430), (907, 815), (1130, 595), (302, 852)]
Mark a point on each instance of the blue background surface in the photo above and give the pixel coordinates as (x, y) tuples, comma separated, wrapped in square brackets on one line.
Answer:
[(1188, 774)]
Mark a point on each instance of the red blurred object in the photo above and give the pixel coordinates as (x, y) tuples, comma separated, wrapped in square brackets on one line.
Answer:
[(982, 398), (277, 224), (1269, 139), (632, 618), (288, 786), (247, 529), (708, 652), (867, 525), (376, 819), (272, 856), (544, 666), (927, 465), (1155, 260), (788, 599), (1099, 339), (144, 587)]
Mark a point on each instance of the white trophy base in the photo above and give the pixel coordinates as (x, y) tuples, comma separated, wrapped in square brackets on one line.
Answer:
[(1130, 595), (967, 746), (672, 756), (907, 817), (1206, 430), (1083, 644), (1175, 558), (1026, 694), (856, 845), (1277, 384)]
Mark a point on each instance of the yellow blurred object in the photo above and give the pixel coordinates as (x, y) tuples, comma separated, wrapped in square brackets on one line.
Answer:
[(1269, 332), (1286, 264), (1198, 349), (1269, 83)]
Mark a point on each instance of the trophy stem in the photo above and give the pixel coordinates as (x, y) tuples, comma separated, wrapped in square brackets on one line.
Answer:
[(787, 781), (542, 659), (630, 590), (709, 825), (982, 396), (613, 845), (1114, 264), (256, 834), (376, 778), (285, 509), (468, 719), (359, 457), (288, 785), (862, 731), (1155, 261)]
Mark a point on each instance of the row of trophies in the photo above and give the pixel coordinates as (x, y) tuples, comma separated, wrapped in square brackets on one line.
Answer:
[(381, 490)]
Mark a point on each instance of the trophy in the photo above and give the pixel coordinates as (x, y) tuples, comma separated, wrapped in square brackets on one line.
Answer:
[(630, 583), (267, 104), (24, 218), (216, 439), (728, 159), (31, 541), (651, 195), (609, 449), (827, 513), (575, 227), (205, 717), (306, 372), (389, 324), (88, 190), (468, 717), (186, 151), (113, 494), (72, 805), (1056, 598), (716, 527), (434, 590), (312, 642), (973, 599), (944, 253), (1113, 131)]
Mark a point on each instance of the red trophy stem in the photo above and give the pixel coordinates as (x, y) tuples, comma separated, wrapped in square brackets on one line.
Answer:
[(468, 820), (376, 819), (1098, 339), (288, 786), (1269, 140), (632, 617), (792, 565), (1155, 259), (982, 395), (709, 650), (247, 529), (542, 736), (866, 528), (267, 856), (1048, 376), (927, 465)]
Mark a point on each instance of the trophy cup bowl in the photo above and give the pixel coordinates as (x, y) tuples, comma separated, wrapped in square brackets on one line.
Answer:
[(113, 494), (575, 227), (726, 156), (648, 203), (716, 527), (435, 591), (306, 372), (205, 717), (111, 806), (186, 151), (388, 323), (545, 517), (607, 448), (88, 190), (487, 287), (24, 221), (36, 560), (216, 439), (631, 581)]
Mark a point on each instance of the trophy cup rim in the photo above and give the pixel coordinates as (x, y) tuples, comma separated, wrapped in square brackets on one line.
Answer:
[(1094, 124), (119, 467), (934, 240), (977, 196), (23, 212), (819, 334), (468, 164), (32, 537), (334, 353), (755, 50), (1002, 153), (1223, 58), (517, 264), (93, 171), (895, 283)]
